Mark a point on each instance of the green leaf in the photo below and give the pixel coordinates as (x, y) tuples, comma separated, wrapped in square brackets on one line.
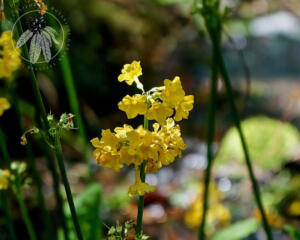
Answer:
[(87, 206), (270, 142), (295, 233), (238, 230)]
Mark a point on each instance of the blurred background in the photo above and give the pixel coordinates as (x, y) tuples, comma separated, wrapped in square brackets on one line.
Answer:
[(262, 51)]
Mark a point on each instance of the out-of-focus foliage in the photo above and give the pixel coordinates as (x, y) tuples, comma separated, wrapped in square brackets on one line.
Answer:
[(292, 231), (217, 215), (238, 230), (270, 142), (87, 205)]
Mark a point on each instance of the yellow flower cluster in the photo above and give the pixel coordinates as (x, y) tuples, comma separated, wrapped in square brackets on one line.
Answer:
[(4, 105), (274, 220), (9, 55), (156, 148), (4, 179), (160, 102), (217, 214)]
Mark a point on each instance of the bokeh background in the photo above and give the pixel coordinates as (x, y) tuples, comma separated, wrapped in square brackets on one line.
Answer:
[(262, 51)]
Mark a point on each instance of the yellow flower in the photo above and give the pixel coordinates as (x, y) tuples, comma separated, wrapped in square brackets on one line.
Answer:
[(4, 179), (217, 213), (273, 218), (173, 92), (133, 105), (159, 112), (130, 74), (294, 208), (9, 55), (106, 150), (4, 105), (183, 108), (139, 188)]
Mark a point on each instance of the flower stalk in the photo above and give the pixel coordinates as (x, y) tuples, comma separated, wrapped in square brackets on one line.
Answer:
[(47, 138), (60, 161), (139, 221), (5, 205), (32, 164), (210, 135), (213, 20), (24, 212)]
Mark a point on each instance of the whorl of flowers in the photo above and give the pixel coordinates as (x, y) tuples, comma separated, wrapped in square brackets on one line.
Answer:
[(127, 145), (9, 55)]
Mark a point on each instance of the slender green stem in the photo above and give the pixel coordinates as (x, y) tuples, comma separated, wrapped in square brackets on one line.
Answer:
[(237, 122), (63, 173), (73, 101), (43, 120), (213, 20), (56, 185), (24, 212), (139, 221), (68, 79), (17, 191), (32, 164), (6, 209), (4, 201), (210, 136)]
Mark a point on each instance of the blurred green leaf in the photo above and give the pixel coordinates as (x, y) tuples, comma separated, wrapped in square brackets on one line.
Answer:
[(270, 142), (292, 231), (238, 231), (166, 2), (87, 206)]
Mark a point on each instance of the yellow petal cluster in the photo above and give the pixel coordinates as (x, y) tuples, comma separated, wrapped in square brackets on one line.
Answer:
[(133, 105), (217, 213), (4, 179), (136, 146), (4, 105), (126, 146), (9, 55), (160, 104), (130, 72)]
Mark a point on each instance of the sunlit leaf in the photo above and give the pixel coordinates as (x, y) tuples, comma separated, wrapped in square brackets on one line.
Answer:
[(238, 230), (270, 142)]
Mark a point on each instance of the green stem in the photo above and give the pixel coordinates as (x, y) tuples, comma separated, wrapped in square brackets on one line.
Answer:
[(4, 201), (8, 216), (68, 79), (63, 173), (32, 164), (56, 185), (210, 136), (73, 101), (24, 212), (139, 221), (237, 122), (42, 113)]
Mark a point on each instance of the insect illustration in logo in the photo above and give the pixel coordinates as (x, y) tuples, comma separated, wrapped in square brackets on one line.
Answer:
[(41, 39)]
